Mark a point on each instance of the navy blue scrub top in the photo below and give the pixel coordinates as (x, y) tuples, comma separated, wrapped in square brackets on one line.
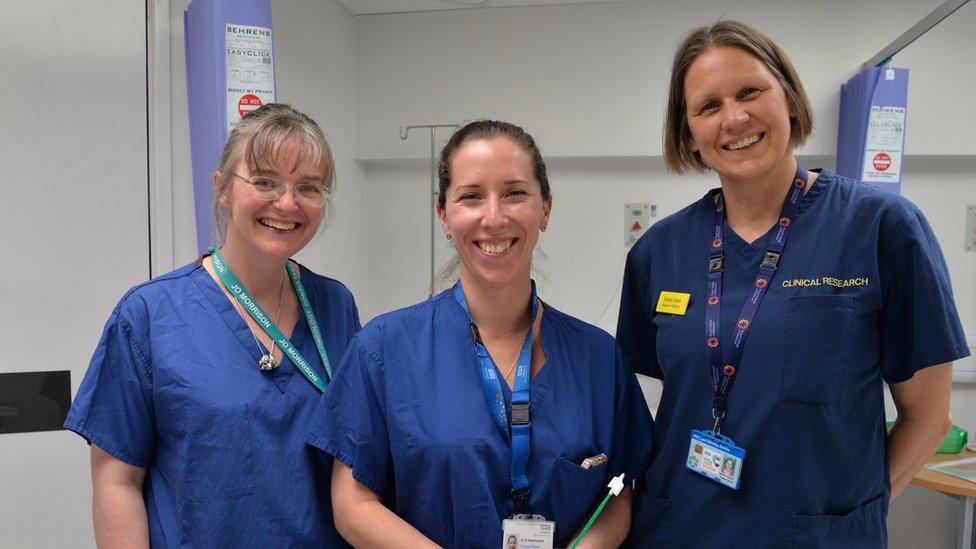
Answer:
[(862, 298), (174, 387), (407, 414)]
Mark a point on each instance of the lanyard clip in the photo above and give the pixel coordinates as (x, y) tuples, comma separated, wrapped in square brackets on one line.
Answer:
[(521, 498), (715, 264), (718, 416), (520, 414), (771, 261)]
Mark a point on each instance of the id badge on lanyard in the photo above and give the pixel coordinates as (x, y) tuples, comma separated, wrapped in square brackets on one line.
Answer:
[(711, 454), (715, 457), (534, 529), (528, 532)]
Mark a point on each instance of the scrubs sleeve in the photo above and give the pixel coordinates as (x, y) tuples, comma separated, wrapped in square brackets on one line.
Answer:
[(114, 405), (919, 323), (349, 422), (633, 426), (636, 334)]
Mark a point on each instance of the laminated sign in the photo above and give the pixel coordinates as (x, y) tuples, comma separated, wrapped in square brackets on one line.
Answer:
[(871, 133), (249, 70)]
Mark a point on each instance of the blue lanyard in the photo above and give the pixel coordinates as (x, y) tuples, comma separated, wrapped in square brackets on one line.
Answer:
[(723, 368), (519, 428), (237, 289)]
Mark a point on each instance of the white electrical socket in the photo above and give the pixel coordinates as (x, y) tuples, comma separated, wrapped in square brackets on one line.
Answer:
[(970, 238), (637, 218)]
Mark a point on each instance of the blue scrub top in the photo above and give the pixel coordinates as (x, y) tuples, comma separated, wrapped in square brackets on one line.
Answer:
[(861, 298), (407, 414), (174, 387)]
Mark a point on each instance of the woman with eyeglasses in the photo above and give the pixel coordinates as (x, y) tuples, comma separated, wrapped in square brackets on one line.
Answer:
[(196, 398)]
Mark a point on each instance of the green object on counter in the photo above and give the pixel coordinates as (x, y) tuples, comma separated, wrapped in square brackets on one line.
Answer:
[(954, 441)]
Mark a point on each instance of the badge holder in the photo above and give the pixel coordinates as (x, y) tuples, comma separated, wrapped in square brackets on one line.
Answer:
[(528, 532), (715, 457), (525, 530)]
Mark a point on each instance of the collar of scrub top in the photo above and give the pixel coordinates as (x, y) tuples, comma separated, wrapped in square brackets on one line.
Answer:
[(241, 293), (723, 368), (519, 426)]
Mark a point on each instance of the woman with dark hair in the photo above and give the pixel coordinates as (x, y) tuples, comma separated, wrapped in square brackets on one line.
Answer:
[(192, 403), (808, 290), (448, 417)]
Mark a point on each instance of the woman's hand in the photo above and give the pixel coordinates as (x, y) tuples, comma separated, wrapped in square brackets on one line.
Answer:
[(922, 423), (363, 520), (118, 509)]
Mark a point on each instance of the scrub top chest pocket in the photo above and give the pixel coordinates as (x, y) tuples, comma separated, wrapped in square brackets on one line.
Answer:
[(572, 492), (819, 334)]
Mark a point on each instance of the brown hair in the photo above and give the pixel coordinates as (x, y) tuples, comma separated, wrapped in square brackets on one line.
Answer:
[(677, 134), (489, 129), (267, 136)]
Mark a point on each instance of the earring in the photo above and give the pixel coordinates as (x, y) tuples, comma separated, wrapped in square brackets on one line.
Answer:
[(544, 227), (449, 236)]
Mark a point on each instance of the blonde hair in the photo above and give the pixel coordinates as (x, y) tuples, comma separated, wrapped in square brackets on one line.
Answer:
[(266, 137)]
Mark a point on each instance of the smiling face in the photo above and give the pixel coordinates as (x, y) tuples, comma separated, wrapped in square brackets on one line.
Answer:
[(729, 466), (493, 211), (738, 115), (274, 229)]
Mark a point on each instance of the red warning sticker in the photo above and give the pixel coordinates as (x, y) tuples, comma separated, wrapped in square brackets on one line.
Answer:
[(882, 161), (248, 103)]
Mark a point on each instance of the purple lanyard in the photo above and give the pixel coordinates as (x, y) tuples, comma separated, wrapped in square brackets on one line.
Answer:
[(723, 370)]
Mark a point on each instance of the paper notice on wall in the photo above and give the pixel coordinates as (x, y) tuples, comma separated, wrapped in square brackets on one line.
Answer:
[(883, 147), (249, 70)]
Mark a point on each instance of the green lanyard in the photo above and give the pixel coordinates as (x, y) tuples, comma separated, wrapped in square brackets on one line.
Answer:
[(235, 287)]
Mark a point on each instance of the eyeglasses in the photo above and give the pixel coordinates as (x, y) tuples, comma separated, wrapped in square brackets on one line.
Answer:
[(269, 188)]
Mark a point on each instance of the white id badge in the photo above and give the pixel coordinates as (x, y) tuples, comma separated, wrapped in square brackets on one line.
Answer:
[(527, 532), (715, 457)]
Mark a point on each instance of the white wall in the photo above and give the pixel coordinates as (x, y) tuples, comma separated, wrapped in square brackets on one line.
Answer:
[(592, 77), (941, 84), (315, 63), (589, 82), (73, 229)]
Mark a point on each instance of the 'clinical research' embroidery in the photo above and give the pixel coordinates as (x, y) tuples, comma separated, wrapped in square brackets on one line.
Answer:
[(826, 281)]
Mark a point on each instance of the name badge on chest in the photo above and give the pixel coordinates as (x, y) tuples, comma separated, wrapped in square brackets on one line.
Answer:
[(528, 532), (672, 303), (716, 457)]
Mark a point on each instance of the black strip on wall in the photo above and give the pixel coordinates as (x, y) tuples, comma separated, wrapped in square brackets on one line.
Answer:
[(34, 401)]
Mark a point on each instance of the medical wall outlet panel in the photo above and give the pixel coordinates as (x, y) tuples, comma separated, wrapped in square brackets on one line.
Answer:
[(229, 72), (637, 218)]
